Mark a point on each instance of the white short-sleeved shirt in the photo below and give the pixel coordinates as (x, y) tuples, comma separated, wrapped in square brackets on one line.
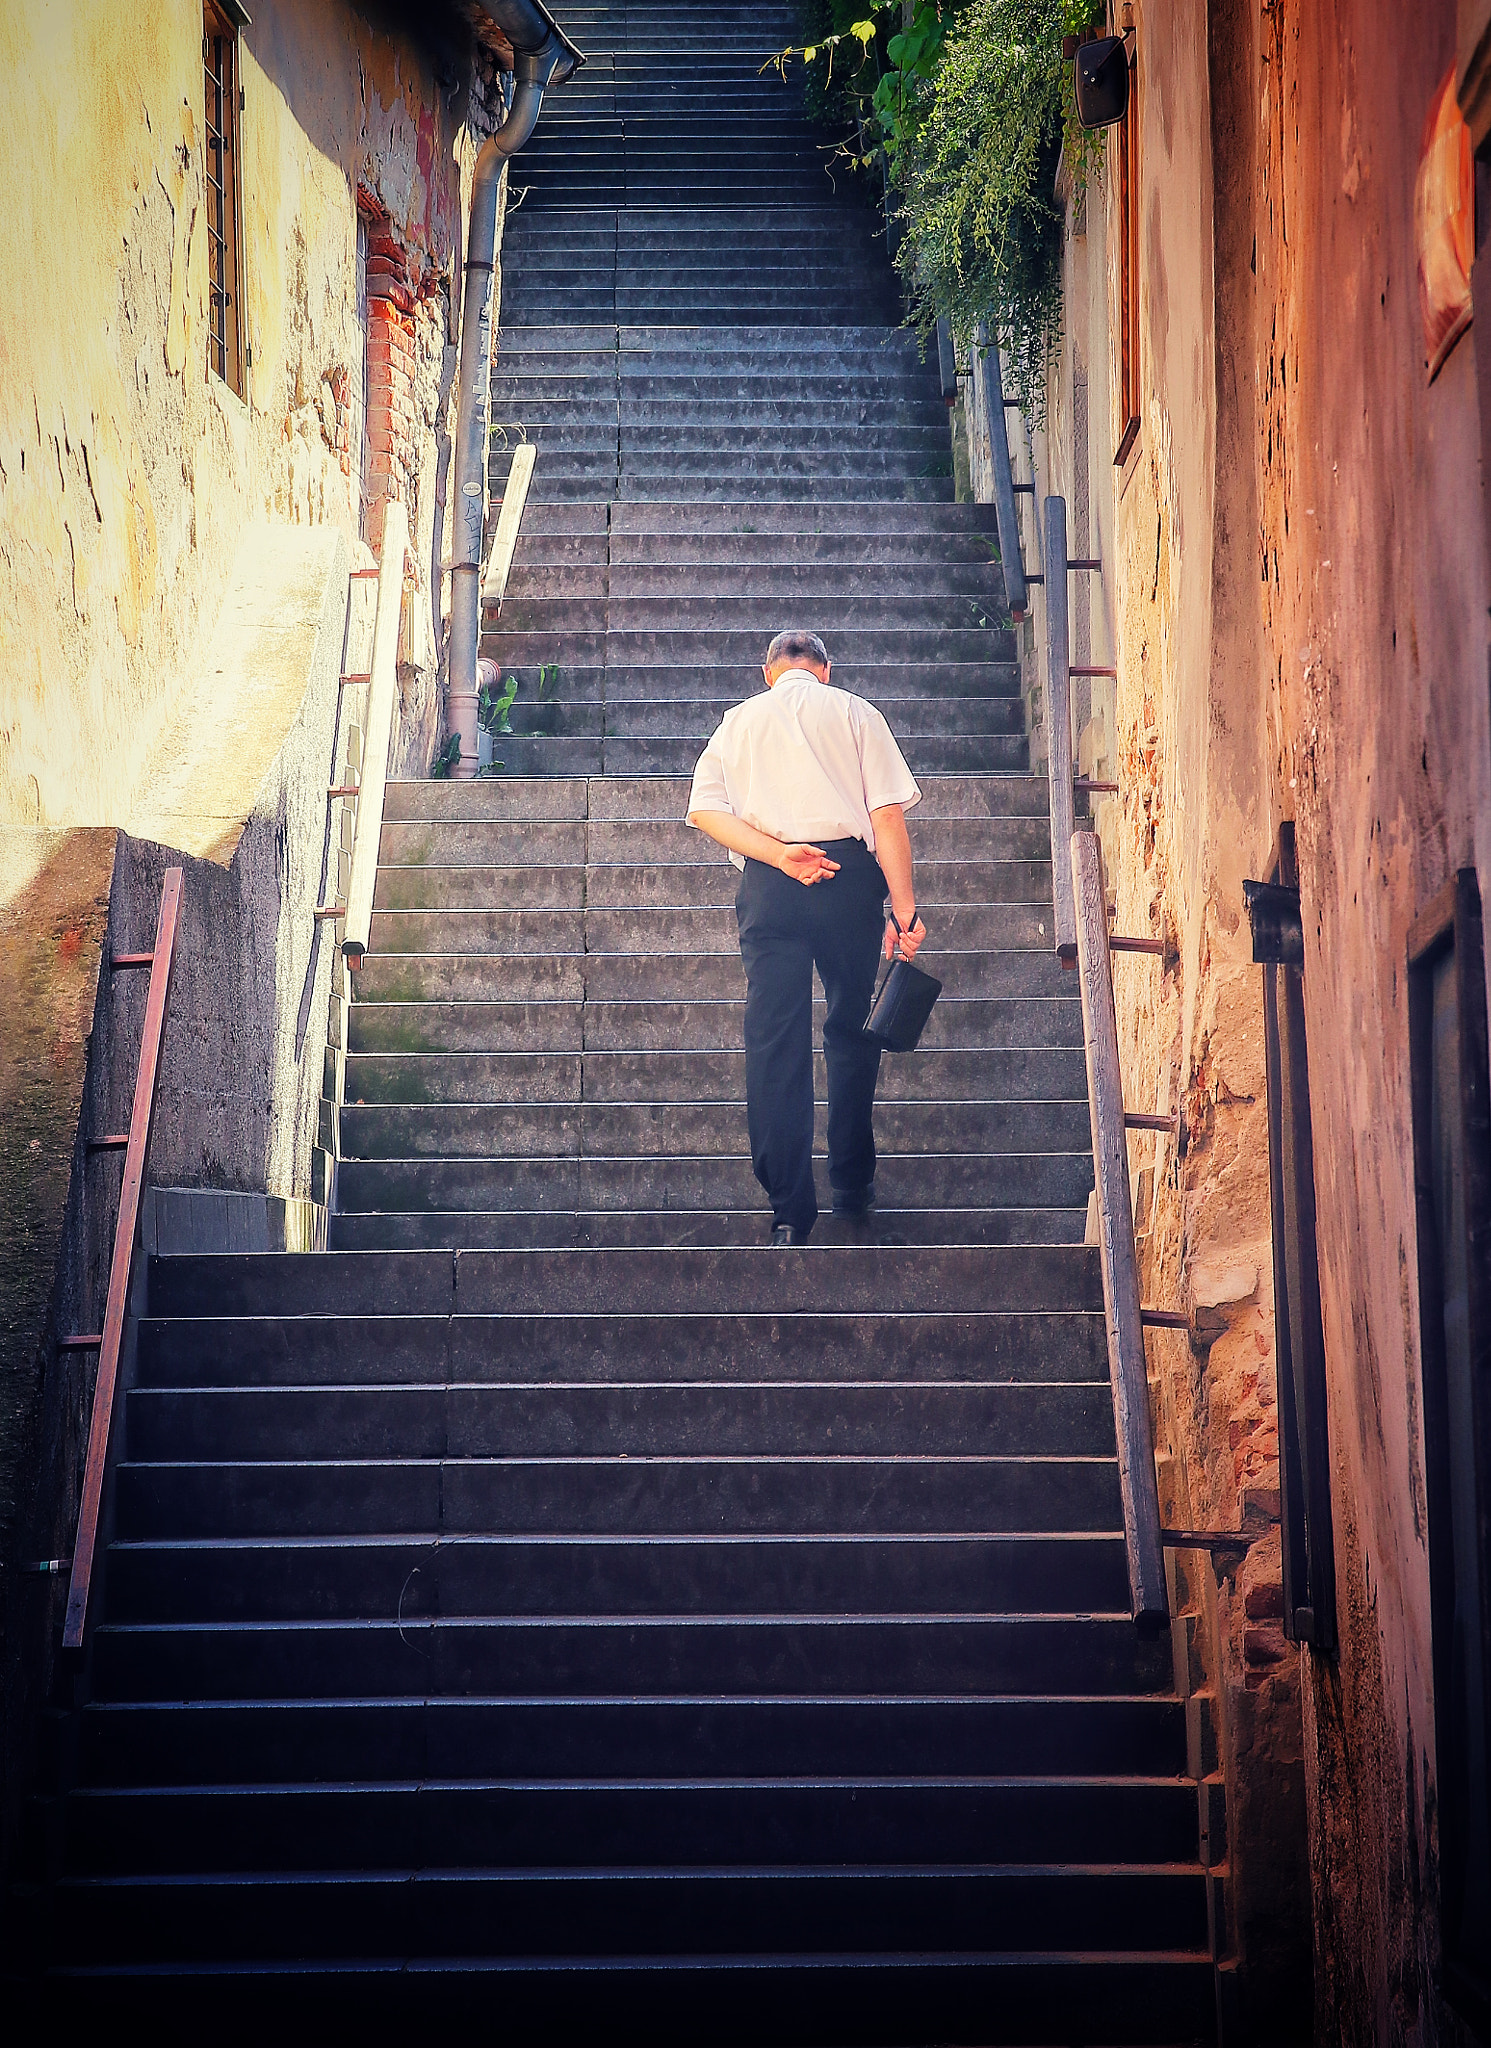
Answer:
[(803, 762)]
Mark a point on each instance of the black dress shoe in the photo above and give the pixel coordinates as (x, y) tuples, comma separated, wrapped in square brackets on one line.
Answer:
[(787, 1233), (855, 1205)]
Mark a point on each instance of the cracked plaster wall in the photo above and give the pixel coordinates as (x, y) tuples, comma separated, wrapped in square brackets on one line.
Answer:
[(126, 470)]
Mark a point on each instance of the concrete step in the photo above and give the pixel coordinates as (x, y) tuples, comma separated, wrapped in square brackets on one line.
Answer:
[(930, 614), (806, 270), (175, 1425), (552, 378), (660, 488), (457, 1132), (537, 574), (664, 798), (562, 1496), (844, 1999), (556, 1230), (741, 646), (546, 747), (499, 1025), (598, 401), (986, 1653), (665, 929), (566, 1184), (843, 1278), (623, 682), (480, 839), (675, 978), (1050, 1074), (371, 1348), (177, 1743), (764, 443), (525, 1823), (916, 722), (710, 882)]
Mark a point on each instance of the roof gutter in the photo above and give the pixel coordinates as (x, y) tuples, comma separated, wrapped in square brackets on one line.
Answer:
[(542, 56)]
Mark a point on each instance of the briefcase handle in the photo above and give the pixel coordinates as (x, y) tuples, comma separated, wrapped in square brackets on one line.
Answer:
[(901, 929)]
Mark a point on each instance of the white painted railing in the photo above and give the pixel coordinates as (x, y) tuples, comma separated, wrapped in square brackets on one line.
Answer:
[(383, 690)]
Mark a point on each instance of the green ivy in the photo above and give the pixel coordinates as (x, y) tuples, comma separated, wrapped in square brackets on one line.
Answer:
[(970, 102), (494, 707)]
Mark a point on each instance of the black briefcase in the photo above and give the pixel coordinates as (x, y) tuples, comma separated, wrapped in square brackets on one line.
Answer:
[(903, 1003)]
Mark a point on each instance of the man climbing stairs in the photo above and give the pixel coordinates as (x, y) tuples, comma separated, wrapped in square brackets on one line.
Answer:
[(553, 1607)]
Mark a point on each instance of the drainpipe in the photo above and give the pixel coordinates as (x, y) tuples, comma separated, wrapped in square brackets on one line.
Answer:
[(542, 56)]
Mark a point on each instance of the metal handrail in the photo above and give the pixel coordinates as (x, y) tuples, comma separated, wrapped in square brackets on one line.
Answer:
[(367, 829), (1006, 515), (1143, 1537), (1059, 731), (122, 1264)]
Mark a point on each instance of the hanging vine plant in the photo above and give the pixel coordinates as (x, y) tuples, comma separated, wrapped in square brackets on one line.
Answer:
[(977, 170), (971, 104)]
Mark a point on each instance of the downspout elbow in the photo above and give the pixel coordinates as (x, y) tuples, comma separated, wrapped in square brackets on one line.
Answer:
[(534, 70)]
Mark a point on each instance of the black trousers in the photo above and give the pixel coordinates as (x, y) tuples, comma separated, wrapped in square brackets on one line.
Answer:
[(785, 931)]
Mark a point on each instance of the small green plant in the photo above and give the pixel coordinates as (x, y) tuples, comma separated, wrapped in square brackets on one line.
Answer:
[(494, 707), (446, 759), (548, 679)]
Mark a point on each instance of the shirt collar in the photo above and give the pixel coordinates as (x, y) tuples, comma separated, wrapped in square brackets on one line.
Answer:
[(794, 675)]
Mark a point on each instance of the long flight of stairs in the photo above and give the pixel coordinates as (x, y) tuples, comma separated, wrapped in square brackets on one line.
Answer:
[(553, 1607)]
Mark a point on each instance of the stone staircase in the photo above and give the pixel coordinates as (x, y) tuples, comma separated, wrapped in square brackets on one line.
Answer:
[(545, 1048), (553, 1608)]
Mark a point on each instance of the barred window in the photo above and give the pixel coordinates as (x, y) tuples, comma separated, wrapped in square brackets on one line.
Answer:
[(1128, 192), (225, 350)]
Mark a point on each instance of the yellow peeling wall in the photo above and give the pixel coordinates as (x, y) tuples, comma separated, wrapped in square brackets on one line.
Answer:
[(126, 470)]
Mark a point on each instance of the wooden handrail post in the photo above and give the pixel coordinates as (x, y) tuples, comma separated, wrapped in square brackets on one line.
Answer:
[(509, 519), (121, 1266), (1059, 731), (1006, 513), (1110, 1158), (382, 691)]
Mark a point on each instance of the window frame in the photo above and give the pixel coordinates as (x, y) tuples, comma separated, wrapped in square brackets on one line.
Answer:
[(1453, 922), (1307, 1531), (227, 355)]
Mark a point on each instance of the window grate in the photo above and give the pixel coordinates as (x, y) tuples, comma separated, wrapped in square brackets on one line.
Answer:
[(1128, 181), (225, 353)]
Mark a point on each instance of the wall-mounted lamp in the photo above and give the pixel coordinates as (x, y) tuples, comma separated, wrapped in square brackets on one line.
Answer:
[(1100, 73)]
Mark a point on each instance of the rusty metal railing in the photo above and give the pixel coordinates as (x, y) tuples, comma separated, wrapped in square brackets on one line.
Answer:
[(122, 1265), (1083, 940), (1125, 1317), (1006, 513)]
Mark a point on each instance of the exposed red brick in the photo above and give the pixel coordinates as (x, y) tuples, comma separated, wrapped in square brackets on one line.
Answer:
[(389, 346), (1265, 1646), (1264, 1602)]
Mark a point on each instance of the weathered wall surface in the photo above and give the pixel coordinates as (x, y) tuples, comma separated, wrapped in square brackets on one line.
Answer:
[(1299, 590), (126, 470), (51, 953), (1178, 840), (1374, 608)]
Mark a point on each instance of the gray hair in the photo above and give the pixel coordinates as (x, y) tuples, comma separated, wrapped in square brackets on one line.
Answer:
[(795, 645)]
